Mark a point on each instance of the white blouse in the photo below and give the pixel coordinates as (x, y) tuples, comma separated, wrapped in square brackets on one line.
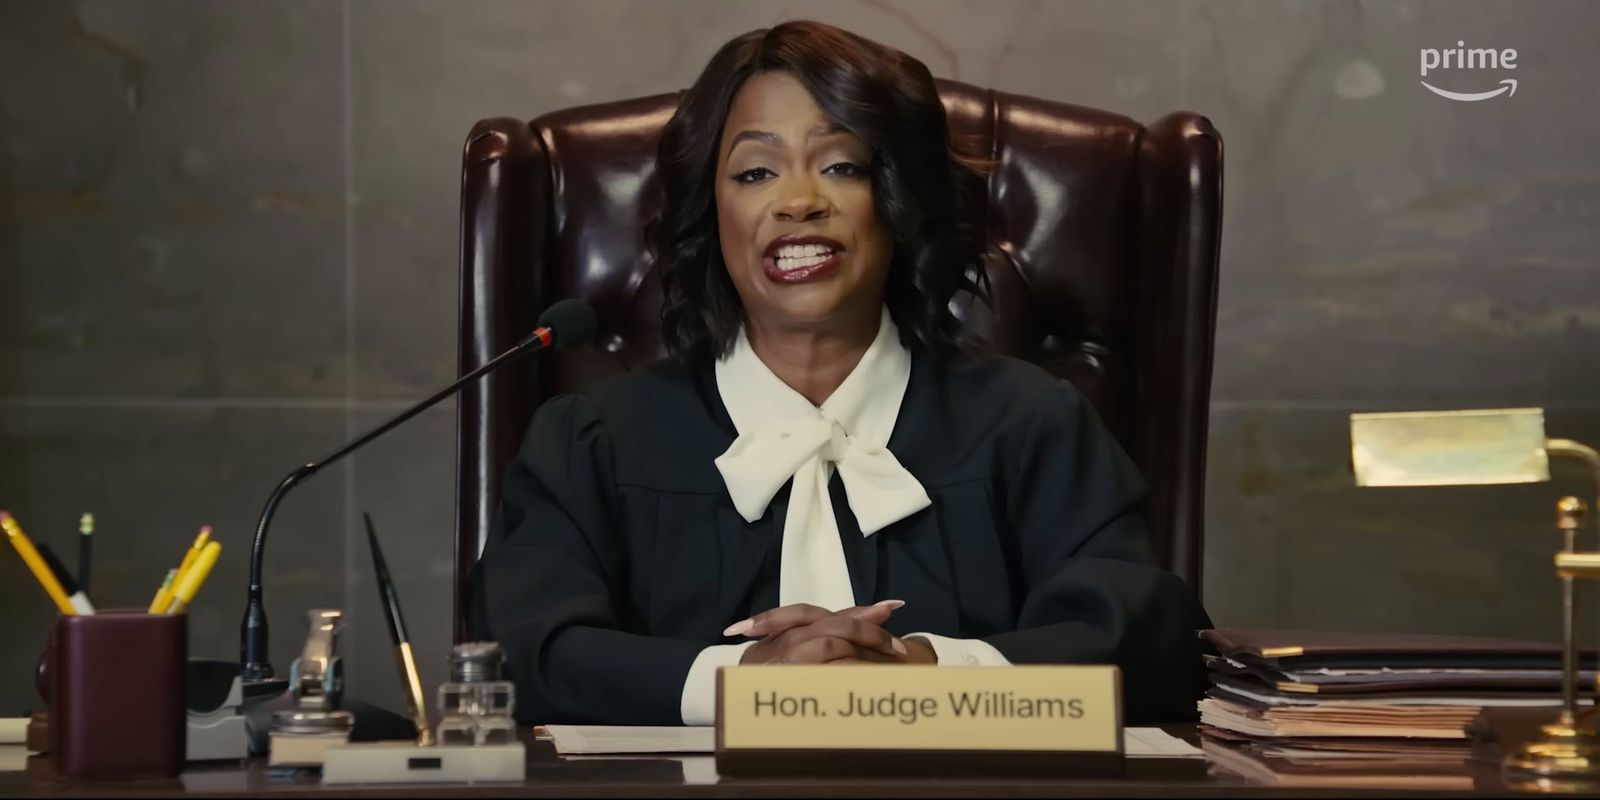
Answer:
[(782, 436)]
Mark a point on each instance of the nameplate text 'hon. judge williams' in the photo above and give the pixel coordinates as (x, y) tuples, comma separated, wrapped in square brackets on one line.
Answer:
[(931, 714)]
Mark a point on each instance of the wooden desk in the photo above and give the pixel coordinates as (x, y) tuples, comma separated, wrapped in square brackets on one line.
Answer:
[(550, 775)]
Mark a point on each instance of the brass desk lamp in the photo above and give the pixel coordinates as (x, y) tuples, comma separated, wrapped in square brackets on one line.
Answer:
[(1461, 448)]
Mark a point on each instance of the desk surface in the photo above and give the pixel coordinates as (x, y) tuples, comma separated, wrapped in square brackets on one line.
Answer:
[(550, 775)]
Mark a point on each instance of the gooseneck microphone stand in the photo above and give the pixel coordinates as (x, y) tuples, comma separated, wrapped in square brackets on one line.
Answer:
[(565, 324)]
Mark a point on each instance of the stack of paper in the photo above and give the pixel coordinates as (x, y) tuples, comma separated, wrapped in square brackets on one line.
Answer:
[(1362, 707), (612, 739), (1275, 770)]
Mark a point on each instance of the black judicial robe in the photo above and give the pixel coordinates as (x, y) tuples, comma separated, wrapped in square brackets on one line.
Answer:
[(618, 555)]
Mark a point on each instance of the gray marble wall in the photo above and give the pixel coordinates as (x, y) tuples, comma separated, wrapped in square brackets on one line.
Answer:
[(228, 240)]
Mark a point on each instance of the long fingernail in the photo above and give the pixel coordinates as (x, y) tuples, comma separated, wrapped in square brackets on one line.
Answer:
[(739, 628), (890, 604), (899, 646)]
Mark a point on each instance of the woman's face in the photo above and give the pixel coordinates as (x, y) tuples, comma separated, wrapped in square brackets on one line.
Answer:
[(800, 237)]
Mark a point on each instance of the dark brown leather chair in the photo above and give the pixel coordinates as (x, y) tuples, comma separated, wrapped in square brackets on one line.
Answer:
[(1105, 236)]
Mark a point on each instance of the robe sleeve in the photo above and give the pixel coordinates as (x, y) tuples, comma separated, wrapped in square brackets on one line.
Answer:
[(1093, 592), (552, 584)]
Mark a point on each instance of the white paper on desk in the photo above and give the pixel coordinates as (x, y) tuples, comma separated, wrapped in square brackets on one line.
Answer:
[(13, 758), (13, 730), (607, 739), (599, 739), (1156, 743)]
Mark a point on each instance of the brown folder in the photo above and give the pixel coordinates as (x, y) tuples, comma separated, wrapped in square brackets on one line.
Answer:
[(1501, 681), (1298, 650), (1397, 693)]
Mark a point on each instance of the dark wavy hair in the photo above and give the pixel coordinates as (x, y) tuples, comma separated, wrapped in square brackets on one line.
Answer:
[(880, 94)]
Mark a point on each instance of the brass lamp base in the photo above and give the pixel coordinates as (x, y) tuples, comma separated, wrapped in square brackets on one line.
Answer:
[(1564, 757)]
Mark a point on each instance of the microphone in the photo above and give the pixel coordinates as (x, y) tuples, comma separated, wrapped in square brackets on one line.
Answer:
[(567, 323)]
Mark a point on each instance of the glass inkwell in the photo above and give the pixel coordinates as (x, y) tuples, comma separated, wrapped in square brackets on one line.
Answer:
[(475, 705)]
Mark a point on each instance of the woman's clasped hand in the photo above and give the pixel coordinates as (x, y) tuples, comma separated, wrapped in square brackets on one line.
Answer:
[(808, 634)]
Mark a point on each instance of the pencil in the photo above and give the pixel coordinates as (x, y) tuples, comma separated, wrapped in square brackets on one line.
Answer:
[(36, 565), (165, 591), (164, 596), (189, 583)]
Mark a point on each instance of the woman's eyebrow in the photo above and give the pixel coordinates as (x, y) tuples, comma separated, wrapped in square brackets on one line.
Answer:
[(768, 137), (826, 129), (760, 136)]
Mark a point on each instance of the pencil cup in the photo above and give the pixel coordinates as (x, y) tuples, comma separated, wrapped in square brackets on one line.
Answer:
[(117, 694)]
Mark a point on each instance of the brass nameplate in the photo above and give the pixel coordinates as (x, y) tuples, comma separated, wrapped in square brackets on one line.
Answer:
[(1057, 709), (1449, 448)]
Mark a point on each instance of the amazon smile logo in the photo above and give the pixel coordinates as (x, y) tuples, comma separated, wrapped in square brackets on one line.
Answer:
[(1461, 57)]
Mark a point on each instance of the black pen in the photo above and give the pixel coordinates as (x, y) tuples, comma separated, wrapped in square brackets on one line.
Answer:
[(75, 596), (402, 641), (85, 549)]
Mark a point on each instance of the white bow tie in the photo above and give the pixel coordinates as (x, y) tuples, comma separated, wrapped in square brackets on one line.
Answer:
[(783, 436)]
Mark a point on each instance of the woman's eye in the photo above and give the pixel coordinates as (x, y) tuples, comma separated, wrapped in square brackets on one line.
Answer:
[(752, 175), (846, 168)]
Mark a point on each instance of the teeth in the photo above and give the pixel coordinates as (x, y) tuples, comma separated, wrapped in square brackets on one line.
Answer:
[(787, 264), (803, 250)]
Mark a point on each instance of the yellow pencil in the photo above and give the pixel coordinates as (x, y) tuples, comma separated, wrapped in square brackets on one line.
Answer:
[(194, 549), (36, 564), (190, 582), (164, 595)]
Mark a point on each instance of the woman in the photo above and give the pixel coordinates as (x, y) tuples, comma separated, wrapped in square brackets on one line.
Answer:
[(819, 475)]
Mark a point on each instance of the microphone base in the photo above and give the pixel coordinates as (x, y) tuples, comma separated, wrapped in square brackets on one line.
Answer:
[(372, 723), (264, 687), (261, 698)]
